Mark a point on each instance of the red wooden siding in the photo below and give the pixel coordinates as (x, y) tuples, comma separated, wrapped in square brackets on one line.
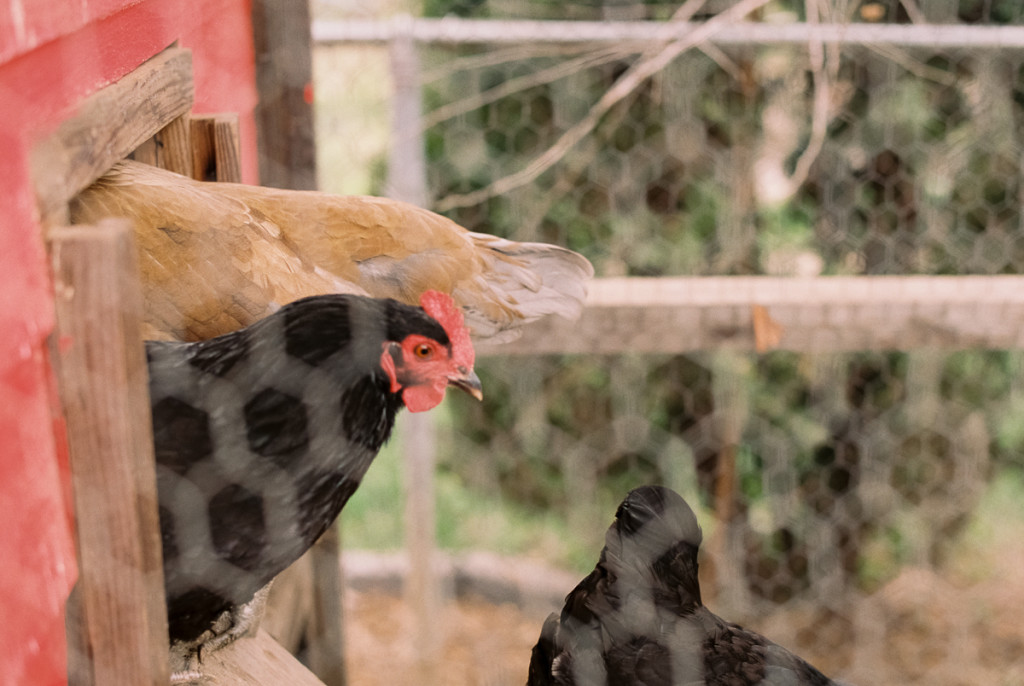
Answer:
[(53, 54)]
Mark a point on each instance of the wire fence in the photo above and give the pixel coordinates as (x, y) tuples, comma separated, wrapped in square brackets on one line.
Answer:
[(860, 496)]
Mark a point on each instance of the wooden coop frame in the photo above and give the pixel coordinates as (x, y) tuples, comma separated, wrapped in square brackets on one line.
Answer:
[(102, 375), (117, 615)]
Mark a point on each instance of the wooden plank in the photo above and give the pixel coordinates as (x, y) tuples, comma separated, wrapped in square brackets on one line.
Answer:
[(204, 159), (491, 31), (813, 314), (148, 152), (422, 587), (216, 148), (227, 148), (169, 148), (103, 389), (254, 660), (287, 159), (108, 126), (325, 638), (284, 78), (290, 604), (407, 181), (174, 146), (313, 581)]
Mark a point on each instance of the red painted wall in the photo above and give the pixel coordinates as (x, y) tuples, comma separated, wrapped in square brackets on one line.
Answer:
[(53, 54)]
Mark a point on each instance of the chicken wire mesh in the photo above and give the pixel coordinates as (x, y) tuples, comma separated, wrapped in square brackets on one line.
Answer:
[(859, 507)]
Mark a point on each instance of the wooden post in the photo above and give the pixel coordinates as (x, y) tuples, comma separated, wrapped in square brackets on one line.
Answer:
[(174, 146), (407, 180), (287, 151), (324, 631), (216, 149), (203, 157), (730, 381), (101, 367), (284, 78), (227, 148)]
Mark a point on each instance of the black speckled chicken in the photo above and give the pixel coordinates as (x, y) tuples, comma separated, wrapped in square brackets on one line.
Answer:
[(638, 620), (263, 434)]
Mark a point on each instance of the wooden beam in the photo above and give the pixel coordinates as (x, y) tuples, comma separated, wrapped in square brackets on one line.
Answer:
[(325, 629), (815, 314), (287, 159), (121, 631), (305, 608), (227, 148), (174, 146), (290, 605), (204, 161), (216, 150), (170, 148), (108, 126), (640, 33), (147, 152), (284, 79), (254, 660)]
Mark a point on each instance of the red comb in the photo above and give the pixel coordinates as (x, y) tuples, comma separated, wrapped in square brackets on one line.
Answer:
[(441, 307)]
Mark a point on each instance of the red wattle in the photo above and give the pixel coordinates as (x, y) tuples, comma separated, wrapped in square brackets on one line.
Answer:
[(423, 398)]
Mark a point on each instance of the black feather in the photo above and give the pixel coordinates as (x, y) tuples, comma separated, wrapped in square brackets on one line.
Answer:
[(276, 426), (261, 436), (637, 619), (218, 355)]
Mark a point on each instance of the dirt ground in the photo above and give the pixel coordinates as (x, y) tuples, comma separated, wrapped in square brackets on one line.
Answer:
[(481, 644), (920, 628)]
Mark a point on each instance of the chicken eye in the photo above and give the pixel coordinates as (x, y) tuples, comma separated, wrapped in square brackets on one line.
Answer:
[(422, 351)]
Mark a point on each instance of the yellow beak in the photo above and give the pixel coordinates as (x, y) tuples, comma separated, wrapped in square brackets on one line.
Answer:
[(469, 382)]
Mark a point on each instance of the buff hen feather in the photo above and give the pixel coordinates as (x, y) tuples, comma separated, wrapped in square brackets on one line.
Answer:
[(215, 257)]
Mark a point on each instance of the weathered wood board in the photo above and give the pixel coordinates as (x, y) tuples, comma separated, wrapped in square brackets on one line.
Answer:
[(122, 627), (812, 314), (255, 660), (108, 126)]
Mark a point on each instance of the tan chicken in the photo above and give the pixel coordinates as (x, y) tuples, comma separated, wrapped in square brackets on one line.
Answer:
[(215, 257)]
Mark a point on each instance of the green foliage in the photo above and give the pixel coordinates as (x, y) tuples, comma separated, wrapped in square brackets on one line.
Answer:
[(372, 518), (468, 518), (919, 173)]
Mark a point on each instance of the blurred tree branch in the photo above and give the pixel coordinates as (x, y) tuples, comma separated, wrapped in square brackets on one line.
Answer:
[(646, 66), (590, 59), (822, 97)]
